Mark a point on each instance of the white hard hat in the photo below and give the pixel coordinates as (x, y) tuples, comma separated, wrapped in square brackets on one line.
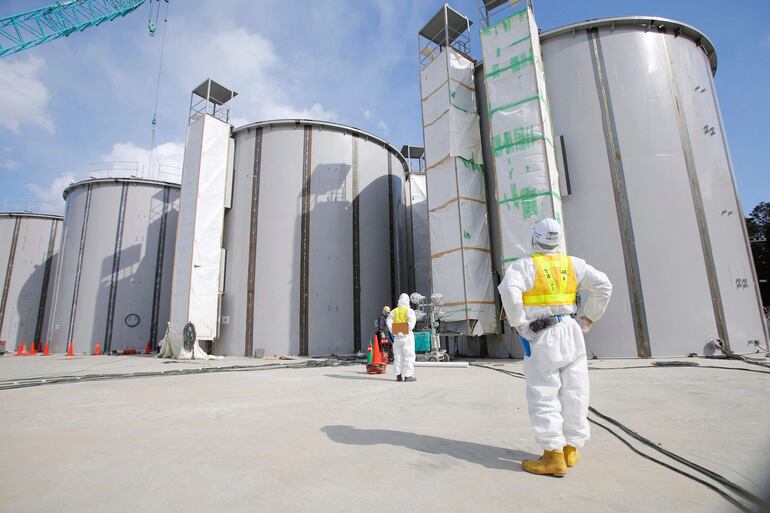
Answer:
[(547, 232)]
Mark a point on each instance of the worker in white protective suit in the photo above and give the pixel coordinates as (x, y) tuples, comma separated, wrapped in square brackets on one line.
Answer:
[(539, 295), (401, 321)]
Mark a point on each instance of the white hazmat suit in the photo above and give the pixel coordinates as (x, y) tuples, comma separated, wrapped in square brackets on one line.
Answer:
[(556, 370), (403, 344)]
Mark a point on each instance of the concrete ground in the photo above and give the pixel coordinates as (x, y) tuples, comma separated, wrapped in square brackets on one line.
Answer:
[(334, 439)]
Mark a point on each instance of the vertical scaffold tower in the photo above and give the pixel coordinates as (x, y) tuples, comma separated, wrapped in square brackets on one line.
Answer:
[(457, 209)]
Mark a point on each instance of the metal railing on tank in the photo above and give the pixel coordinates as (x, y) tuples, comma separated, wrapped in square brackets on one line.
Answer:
[(133, 169), (493, 11), (447, 28), (210, 98)]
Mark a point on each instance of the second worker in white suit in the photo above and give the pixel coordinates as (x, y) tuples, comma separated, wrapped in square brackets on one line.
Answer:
[(539, 294), (401, 322)]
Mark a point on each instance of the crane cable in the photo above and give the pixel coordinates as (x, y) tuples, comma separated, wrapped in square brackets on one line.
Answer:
[(152, 26), (154, 121)]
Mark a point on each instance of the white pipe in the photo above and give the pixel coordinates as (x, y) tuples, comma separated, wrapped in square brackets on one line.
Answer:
[(456, 365)]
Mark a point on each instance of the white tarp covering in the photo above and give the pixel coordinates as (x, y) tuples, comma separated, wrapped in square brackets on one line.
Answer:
[(461, 268), (524, 163), (172, 346), (418, 209), (198, 259)]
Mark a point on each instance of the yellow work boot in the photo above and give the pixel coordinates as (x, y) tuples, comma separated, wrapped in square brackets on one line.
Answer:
[(552, 463), (571, 455)]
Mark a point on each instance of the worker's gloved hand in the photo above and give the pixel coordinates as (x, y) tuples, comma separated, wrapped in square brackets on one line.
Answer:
[(585, 323), (525, 332)]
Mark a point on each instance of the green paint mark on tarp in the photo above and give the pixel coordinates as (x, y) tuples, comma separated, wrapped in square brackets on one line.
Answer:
[(471, 164), (529, 206), (526, 38), (505, 24), (510, 259), (507, 106), (461, 108), (466, 235), (526, 201), (474, 167), (516, 63), (520, 139)]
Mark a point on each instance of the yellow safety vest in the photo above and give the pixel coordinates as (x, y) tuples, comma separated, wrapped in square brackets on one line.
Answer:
[(400, 321), (555, 282)]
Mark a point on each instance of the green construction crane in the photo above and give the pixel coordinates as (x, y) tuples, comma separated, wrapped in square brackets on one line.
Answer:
[(33, 28)]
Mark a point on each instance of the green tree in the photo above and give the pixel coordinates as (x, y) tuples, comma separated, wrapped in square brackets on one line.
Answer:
[(758, 225)]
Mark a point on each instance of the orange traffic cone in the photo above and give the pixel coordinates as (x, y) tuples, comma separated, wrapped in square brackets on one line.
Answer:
[(147, 348), (98, 349), (22, 351), (377, 366), (31, 349), (45, 349), (69, 349), (376, 356)]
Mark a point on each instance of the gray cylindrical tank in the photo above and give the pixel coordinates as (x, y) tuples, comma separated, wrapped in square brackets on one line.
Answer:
[(314, 239), (29, 246), (653, 200), (116, 256)]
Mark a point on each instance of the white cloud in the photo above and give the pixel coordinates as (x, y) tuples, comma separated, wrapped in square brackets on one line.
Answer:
[(9, 164), (163, 162), (324, 74), (124, 159), (248, 63), (23, 96), (50, 197)]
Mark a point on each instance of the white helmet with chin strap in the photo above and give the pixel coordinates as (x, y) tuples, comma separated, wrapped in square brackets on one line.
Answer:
[(547, 233)]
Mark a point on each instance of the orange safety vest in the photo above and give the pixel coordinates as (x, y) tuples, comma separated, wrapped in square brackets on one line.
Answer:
[(400, 321), (555, 282)]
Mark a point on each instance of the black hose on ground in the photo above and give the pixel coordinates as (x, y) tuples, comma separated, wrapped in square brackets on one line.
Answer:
[(698, 468), (663, 365), (739, 357), (705, 483), (11, 384)]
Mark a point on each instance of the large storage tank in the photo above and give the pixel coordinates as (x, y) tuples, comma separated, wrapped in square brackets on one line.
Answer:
[(29, 246), (116, 257), (314, 238), (653, 200)]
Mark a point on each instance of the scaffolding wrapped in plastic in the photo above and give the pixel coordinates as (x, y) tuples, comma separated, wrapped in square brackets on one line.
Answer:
[(207, 171), (526, 179), (459, 237)]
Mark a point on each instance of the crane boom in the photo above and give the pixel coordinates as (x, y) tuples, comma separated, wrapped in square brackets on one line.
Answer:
[(38, 26)]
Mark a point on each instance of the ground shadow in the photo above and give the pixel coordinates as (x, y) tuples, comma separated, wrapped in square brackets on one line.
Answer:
[(359, 375), (487, 455)]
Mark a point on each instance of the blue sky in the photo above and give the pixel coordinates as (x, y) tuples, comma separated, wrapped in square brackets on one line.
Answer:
[(89, 98)]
